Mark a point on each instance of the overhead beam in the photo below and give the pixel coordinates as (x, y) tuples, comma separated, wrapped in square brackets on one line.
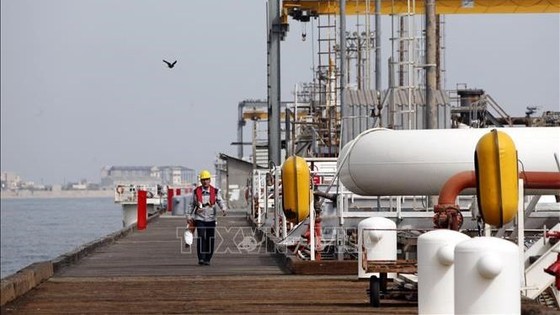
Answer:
[(355, 7)]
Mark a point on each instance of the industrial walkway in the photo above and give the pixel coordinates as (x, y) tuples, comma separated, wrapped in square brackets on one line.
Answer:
[(151, 271)]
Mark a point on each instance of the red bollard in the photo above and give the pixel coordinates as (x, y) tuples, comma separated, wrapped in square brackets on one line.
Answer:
[(170, 199), (142, 208)]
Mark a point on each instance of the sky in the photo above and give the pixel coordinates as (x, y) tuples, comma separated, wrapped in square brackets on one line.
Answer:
[(83, 84)]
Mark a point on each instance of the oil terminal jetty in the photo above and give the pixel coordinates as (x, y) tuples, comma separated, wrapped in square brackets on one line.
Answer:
[(152, 271)]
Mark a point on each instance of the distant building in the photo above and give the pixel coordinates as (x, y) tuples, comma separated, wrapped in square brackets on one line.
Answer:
[(79, 186), (10, 181), (147, 175)]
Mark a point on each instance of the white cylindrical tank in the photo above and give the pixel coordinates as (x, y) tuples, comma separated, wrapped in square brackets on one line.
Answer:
[(385, 162), (487, 277), (435, 270), (377, 240)]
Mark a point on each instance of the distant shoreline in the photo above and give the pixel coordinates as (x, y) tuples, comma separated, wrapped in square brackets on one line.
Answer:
[(27, 194)]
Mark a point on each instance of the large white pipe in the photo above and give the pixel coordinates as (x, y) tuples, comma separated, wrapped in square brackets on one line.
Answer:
[(385, 162)]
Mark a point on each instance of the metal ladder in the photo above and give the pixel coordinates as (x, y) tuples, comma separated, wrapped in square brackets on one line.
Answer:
[(408, 46), (326, 112)]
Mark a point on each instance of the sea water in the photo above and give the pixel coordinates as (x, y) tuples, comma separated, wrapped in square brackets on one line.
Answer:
[(34, 230)]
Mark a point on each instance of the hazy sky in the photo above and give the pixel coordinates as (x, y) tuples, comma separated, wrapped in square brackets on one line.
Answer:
[(83, 84)]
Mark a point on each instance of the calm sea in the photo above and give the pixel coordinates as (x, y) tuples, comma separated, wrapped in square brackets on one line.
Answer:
[(35, 230)]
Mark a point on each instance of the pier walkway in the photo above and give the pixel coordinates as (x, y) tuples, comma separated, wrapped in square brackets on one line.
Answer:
[(153, 272)]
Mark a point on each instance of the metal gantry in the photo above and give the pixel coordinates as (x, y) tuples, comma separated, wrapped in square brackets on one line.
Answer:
[(413, 99)]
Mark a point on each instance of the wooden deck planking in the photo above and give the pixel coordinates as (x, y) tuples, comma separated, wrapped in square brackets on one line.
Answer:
[(151, 272), (160, 251), (211, 294)]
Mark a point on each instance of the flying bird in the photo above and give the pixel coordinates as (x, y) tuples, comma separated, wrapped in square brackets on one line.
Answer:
[(169, 64)]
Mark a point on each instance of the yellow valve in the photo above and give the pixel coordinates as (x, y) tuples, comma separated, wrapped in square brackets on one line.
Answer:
[(296, 193), (496, 178)]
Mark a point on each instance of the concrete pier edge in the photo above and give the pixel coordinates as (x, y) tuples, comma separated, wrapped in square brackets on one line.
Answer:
[(24, 280)]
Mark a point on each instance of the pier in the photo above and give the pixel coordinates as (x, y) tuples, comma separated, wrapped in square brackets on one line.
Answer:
[(152, 271)]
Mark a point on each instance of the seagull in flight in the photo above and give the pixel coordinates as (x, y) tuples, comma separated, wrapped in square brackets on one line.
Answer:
[(170, 64)]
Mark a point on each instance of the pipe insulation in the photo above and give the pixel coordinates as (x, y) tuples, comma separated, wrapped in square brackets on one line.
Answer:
[(386, 162)]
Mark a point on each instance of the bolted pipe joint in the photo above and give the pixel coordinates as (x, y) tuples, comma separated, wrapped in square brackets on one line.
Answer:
[(447, 216)]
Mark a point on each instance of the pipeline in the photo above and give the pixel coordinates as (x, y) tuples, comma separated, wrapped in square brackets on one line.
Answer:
[(447, 213)]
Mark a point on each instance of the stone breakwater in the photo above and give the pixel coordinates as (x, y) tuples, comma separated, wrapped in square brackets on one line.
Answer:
[(23, 194)]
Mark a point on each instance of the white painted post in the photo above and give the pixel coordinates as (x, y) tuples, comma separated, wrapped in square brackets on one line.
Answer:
[(312, 226), (521, 234)]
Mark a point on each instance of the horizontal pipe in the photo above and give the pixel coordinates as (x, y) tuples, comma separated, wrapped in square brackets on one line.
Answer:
[(467, 179), (384, 162), (540, 180)]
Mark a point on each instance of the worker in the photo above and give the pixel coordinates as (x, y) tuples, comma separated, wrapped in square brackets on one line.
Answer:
[(202, 212)]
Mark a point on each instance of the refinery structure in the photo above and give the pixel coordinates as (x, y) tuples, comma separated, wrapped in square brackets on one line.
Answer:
[(403, 152), (346, 95), (408, 180)]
